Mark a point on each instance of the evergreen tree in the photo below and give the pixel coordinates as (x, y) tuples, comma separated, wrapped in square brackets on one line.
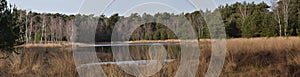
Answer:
[(10, 29)]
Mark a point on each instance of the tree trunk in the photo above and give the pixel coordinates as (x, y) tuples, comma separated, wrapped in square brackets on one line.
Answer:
[(279, 23), (43, 26), (26, 29), (29, 35), (285, 10), (277, 15)]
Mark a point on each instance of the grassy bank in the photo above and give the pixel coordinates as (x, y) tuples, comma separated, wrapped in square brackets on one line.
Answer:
[(264, 57)]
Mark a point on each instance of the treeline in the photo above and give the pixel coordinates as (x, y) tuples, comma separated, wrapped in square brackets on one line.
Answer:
[(241, 20), (262, 20), (152, 30), (46, 27)]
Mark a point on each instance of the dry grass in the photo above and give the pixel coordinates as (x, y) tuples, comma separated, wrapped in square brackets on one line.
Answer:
[(40, 62), (263, 57)]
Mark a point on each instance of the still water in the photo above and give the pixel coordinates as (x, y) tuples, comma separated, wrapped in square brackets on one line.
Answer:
[(139, 52)]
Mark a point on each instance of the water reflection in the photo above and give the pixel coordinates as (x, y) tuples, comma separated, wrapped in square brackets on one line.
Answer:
[(138, 51)]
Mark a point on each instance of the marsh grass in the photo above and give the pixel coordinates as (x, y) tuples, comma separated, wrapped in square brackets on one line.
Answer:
[(262, 57)]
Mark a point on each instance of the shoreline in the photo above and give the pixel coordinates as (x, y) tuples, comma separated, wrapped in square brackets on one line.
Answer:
[(67, 44)]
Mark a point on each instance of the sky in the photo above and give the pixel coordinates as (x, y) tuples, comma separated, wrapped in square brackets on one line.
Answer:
[(123, 7)]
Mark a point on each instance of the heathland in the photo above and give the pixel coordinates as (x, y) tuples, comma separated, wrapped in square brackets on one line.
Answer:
[(264, 57), (262, 39)]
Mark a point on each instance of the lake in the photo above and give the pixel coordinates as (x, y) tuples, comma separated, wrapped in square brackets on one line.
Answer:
[(139, 52)]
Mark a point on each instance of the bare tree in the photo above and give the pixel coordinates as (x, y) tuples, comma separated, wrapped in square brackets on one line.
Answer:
[(277, 15), (43, 27), (68, 32), (26, 28), (59, 29), (45, 35), (285, 10), (30, 29), (243, 11), (52, 28), (35, 30)]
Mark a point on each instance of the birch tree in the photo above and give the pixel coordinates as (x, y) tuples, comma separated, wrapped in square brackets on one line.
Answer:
[(277, 15), (30, 28), (285, 10), (243, 11), (43, 27)]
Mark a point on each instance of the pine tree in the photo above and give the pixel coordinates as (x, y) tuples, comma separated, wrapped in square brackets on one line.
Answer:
[(11, 29)]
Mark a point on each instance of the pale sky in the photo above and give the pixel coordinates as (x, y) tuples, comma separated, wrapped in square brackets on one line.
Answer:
[(118, 6)]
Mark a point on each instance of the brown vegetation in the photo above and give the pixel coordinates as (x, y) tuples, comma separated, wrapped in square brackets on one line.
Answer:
[(263, 57)]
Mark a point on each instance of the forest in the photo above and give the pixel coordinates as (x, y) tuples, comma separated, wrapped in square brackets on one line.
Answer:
[(241, 19)]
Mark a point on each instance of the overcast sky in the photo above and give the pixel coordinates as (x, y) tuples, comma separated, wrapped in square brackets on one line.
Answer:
[(118, 6)]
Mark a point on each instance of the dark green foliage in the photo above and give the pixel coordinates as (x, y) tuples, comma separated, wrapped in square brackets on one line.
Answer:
[(11, 28), (294, 17), (152, 31), (267, 26)]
